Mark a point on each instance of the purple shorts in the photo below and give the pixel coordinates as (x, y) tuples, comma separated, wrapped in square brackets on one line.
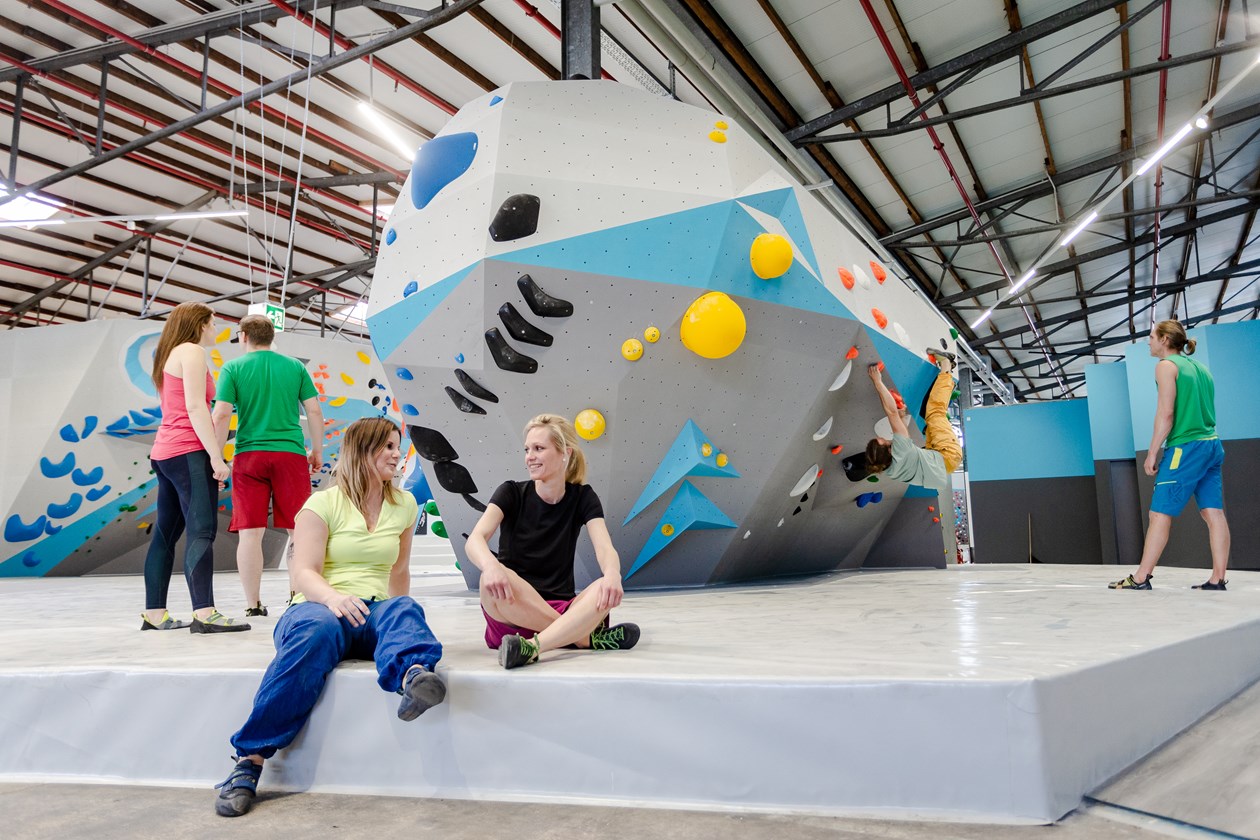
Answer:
[(496, 630)]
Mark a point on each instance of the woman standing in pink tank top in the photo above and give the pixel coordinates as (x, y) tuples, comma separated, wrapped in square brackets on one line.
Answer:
[(189, 466)]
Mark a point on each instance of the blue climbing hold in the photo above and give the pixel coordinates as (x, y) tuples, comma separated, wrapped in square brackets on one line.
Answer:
[(89, 426), (496, 100), (87, 479), (410, 288), (869, 499), (51, 529), (459, 358), (51, 470), (390, 236), (68, 508), (119, 425), (15, 530), (410, 410), (97, 493), (438, 163), (29, 560), (403, 373), (68, 434)]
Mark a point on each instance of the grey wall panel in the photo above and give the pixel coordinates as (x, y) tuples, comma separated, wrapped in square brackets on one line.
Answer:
[(1061, 512)]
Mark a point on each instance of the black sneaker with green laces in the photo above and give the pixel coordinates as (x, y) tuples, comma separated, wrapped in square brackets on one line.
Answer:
[(515, 651), (617, 637), (216, 622), (1219, 586)]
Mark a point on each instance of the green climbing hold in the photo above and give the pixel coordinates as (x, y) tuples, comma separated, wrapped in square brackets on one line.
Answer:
[(872, 478), (457, 568), (953, 333), (955, 395), (430, 507), (438, 529)]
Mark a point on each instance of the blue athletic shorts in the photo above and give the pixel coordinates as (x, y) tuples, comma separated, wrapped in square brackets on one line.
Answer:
[(1189, 469)]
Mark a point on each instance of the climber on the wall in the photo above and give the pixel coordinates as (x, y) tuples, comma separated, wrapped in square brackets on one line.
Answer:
[(899, 458)]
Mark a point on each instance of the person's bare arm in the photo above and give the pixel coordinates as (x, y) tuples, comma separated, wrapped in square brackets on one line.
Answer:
[(315, 426), (221, 417), (306, 569), (887, 402), (192, 362), (477, 546), (1166, 381)]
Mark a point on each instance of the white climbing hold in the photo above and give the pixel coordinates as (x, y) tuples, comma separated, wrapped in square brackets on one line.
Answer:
[(823, 429), (806, 482), (842, 378)]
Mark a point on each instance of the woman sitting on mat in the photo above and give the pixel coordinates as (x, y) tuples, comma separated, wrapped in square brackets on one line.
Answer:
[(351, 572), (527, 592)]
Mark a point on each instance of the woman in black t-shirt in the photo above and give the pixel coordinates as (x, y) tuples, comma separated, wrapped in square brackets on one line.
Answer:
[(527, 591)]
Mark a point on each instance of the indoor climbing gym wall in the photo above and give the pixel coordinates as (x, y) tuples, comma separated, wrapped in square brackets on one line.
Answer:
[(77, 495), (647, 270)]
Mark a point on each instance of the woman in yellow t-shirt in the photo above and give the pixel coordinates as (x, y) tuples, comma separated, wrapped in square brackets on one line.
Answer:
[(351, 573)]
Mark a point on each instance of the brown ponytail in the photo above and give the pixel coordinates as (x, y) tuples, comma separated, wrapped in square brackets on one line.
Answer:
[(1175, 334)]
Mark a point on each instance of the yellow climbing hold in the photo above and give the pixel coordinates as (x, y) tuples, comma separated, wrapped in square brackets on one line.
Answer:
[(632, 349), (347, 378), (590, 424), (722, 460), (224, 335), (717, 137), (216, 357), (770, 256), (336, 401), (229, 449), (667, 529), (651, 335), (363, 357), (706, 449), (721, 124), (232, 422), (713, 326)]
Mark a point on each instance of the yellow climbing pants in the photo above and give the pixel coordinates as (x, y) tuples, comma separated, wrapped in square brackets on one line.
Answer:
[(939, 435)]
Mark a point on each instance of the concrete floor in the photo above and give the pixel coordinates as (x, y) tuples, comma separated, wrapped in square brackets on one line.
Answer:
[(102, 812)]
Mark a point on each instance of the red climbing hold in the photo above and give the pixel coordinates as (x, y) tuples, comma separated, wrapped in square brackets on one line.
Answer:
[(879, 365), (846, 277), (835, 450), (936, 519), (878, 271), (880, 318), (931, 509), (852, 354)]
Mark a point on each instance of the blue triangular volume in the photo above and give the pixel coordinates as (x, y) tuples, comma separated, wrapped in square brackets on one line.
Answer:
[(690, 510), (390, 327), (771, 203), (703, 247), (794, 224), (685, 457)]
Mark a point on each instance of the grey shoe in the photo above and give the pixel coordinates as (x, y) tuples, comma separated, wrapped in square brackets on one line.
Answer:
[(421, 690), (216, 622), (237, 791)]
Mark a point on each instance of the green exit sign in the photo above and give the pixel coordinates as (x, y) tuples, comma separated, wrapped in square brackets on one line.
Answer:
[(273, 313)]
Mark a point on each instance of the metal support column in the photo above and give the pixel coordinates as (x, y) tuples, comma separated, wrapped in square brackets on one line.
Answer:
[(579, 39), (100, 107), (11, 181)]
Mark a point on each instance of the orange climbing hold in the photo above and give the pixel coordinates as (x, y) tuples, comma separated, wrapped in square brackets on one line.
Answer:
[(879, 365), (931, 509), (880, 318), (852, 354), (846, 277), (880, 274), (936, 519), (835, 450)]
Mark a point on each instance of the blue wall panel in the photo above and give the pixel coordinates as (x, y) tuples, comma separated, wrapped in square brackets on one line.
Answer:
[(1033, 440), (1235, 365), (1110, 433)]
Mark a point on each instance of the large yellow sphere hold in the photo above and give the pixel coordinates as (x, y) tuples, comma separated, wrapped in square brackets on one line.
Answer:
[(589, 424), (632, 349), (770, 255), (713, 326)]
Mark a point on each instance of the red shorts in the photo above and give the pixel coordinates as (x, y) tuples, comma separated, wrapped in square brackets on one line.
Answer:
[(496, 630), (279, 480)]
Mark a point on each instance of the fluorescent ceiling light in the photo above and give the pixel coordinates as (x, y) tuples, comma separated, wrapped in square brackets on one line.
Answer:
[(383, 208), (1076, 231), (982, 318), (386, 130), (1019, 284), (1165, 149), (24, 208), (136, 217), (355, 313), (1201, 123)]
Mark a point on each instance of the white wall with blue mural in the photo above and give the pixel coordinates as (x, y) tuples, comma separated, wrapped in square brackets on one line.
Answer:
[(80, 412)]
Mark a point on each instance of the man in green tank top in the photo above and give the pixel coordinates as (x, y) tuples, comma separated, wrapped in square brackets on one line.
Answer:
[(1185, 427), (271, 467)]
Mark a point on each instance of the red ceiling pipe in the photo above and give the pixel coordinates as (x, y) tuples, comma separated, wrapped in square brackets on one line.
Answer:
[(196, 74), (244, 159), (532, 12), (1165, 36), (346, 44)]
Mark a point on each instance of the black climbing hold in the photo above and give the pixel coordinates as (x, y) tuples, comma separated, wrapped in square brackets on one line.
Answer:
[(798, 510), (521, 329), (474, 387), (454, 478), (463, 403), (805, 498), (855, 468), (474, 504), (505, 356), (431, 445), (540, 303), (517, 218), (371, 383), (376, 400)]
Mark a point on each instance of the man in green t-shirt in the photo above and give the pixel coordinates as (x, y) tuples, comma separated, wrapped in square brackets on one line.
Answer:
[(272, 467)]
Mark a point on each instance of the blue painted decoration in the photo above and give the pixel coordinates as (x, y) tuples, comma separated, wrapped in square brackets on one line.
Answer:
[(685, 457), (690, 510)]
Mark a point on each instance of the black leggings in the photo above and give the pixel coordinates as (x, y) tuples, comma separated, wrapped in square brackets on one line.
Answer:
[(187, 494)]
